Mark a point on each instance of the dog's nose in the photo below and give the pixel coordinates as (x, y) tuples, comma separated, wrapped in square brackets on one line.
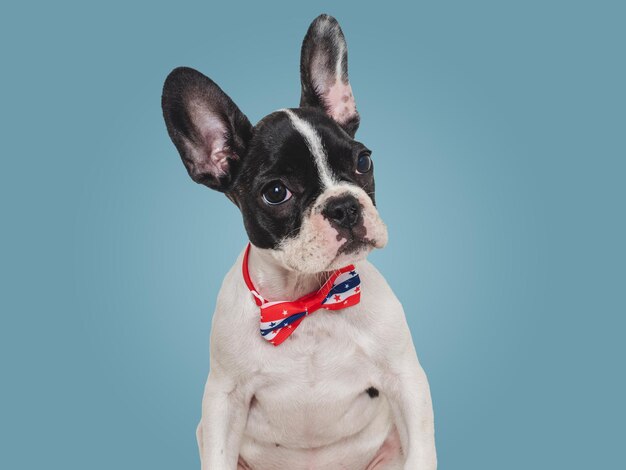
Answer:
[(344, 211)]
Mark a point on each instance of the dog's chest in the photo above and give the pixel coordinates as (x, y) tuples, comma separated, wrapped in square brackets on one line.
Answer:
[(318, 386), (326, 347)]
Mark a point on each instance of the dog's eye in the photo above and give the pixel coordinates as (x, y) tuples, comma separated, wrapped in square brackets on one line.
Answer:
[(364, 163), (276, 193)]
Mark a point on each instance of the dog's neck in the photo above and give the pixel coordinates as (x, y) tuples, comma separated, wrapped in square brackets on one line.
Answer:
[(274, 281)]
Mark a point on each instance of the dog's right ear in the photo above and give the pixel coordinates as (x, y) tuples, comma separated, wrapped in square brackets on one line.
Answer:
[(208, 129)]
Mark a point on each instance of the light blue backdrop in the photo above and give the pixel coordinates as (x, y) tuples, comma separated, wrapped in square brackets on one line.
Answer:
[(498, 134)]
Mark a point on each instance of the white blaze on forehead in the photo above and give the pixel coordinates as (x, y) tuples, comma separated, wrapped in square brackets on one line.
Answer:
[(314, 143)]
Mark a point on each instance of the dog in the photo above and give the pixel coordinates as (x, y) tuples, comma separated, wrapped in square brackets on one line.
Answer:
[(335, 382)]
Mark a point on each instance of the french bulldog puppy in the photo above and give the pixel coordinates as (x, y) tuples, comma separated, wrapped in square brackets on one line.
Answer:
[(333, 383)]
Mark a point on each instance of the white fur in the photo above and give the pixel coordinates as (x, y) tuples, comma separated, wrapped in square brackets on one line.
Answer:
[(308, 394), (338, 66), (314, 143)]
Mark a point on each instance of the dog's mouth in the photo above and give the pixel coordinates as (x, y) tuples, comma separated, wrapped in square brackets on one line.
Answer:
[(355, 239), (355, 244), (352, 250)]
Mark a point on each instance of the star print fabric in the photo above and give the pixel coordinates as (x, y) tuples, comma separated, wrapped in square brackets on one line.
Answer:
[(280, 319)]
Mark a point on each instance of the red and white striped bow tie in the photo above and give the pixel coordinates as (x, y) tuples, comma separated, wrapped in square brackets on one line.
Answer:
[(280, 319)]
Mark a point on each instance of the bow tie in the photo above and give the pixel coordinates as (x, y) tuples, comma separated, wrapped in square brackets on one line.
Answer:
[(280, 319)]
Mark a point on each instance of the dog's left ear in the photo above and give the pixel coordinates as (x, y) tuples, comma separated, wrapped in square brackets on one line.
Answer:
[(324, 73)]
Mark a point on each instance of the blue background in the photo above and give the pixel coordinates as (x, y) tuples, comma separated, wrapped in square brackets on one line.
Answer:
[(498, 131)]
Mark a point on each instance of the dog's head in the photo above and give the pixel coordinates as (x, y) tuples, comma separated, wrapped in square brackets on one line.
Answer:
[(304, 186)]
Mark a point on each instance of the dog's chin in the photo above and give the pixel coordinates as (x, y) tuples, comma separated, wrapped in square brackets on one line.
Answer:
[(351, 252)]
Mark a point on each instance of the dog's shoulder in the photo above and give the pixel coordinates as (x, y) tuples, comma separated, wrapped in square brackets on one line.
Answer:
[(380, 320), (376, 294), (235, 324)]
